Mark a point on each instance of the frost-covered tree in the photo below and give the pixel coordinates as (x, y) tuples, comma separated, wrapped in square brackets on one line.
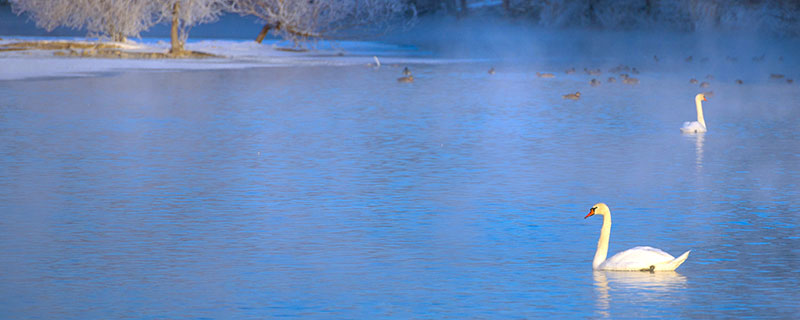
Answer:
[(183, 14), (117, 19), (300, 20), (47, 14), (123, 18)]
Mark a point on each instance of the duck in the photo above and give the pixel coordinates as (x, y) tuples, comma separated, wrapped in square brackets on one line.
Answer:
[(641, 258), (630, 80), (594, 72), (704, 84), (545, 75), (572, 96), (406, 79), (700, 124), (406, 72), (594, 82), (611, 80), (776, 76), (739, 81), (693, 81), (570, 70), (491, 71)]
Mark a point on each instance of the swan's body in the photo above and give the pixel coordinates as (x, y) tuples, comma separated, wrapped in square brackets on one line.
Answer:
[(700, 124), (634, 259)]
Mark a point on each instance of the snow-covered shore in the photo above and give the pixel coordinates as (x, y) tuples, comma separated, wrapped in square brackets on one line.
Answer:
[(234, 54)]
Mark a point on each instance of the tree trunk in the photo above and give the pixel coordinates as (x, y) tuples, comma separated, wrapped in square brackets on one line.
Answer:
[(177, 44), (118, 37), (592, 14), (263, 33), (450, 6), (506, 5), (464, 9)]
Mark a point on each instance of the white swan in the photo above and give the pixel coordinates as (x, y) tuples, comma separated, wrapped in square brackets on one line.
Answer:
[(635, 259), (700, 124)]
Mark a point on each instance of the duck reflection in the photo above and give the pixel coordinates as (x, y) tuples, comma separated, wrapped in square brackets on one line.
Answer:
[(633, 287)]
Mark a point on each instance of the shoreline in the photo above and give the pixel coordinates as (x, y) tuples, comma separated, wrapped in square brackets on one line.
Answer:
[(47, 57), (100, 49)]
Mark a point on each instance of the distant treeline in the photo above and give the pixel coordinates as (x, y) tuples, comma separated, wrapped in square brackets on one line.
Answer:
[(781, 17), (301, 20)]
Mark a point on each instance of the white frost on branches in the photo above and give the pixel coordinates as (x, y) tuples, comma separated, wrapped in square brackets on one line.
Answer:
[(114, 18), (190, 13), (315, 19)]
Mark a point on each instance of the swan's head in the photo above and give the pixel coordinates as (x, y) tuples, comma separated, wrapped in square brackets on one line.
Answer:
[(598, 208), (700, 97)]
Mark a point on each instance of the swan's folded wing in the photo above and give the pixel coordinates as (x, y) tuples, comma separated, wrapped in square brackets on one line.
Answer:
[(636, 258), (693, 126)]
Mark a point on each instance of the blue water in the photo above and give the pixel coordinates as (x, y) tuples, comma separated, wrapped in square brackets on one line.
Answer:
[(336, 192)]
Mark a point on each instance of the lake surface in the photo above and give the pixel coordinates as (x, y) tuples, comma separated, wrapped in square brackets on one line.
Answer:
[(336, 192)]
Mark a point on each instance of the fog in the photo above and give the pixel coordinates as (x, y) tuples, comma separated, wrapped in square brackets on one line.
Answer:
[(718, 57)]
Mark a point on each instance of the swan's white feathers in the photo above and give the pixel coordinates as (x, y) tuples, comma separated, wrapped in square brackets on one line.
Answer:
[(691, 127), (634, 259), (700, 124), (637, 258)]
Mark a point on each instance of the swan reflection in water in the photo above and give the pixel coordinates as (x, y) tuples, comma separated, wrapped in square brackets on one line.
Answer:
[(636, 288), (698, 139)]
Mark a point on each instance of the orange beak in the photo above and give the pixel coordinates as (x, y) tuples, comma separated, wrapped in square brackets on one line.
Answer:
[(704, 98), (591, 213)]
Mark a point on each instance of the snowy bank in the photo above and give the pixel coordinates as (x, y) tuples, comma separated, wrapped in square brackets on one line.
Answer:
[(230, 54)]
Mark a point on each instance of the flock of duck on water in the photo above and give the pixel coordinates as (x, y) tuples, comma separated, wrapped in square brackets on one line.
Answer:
[(642, 258)]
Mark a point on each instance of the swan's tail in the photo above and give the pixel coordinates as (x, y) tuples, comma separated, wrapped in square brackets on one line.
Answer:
[(674, 264)]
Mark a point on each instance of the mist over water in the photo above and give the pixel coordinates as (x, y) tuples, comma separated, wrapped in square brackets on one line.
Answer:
[(337, 192)]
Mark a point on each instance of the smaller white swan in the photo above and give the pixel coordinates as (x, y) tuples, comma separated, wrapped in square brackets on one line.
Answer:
[(700, 124), (635, 259)]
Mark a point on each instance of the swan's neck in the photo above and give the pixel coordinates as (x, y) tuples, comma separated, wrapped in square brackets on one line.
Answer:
[(602, 244), (699, 105)]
